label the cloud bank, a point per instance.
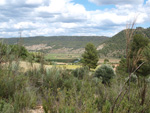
(65, 17)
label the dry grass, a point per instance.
(69, 66)
(111, 60)
(26, 65)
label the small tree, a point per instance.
(90, 56)
(144, 70)
(136, 55)
(106, 72)
(19, 51)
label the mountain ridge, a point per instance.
(107, 46)
(56, 42)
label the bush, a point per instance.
(53, 78)
(3, 52)
(26, 98)
(9, 84)
(122, 68)
(81, 72)
(133, 78)
(6, 107)
(106, 61)
(19, 51)
(106, 72)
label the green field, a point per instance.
(65, 58)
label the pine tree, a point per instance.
(90, 56)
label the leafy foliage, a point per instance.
(139, 42)
(19, 51)
(122, 68)
(106, 72)
(145, 69)
(139, 50)
(81, 72)
(14, 50)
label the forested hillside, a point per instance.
(59, 41)
(115, 46)
(109, 47)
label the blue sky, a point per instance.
(92, 6)
(71, 17)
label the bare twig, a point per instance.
(122, 98)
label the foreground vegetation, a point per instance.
(81, 90)
(61, 90)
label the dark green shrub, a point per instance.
(90, 56)
(35, 77)
(19, 51)
(10, 83)
(68, 83)
(122, 68)
(106, 72)
(81, 72)
(106, 60)
(36, 57)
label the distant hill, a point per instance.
(108, 47)
(115, 46)
(57, 42)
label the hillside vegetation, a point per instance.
(108, 47)
(115, 46)
(56, 42)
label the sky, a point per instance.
(71, 17)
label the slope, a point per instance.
(115, 46)
(56, 42)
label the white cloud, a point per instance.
(64, 17)
(2, 2)
(148, 2)
(34, 1)
(23, 3)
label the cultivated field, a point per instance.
(111, 60)
(26, 65)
